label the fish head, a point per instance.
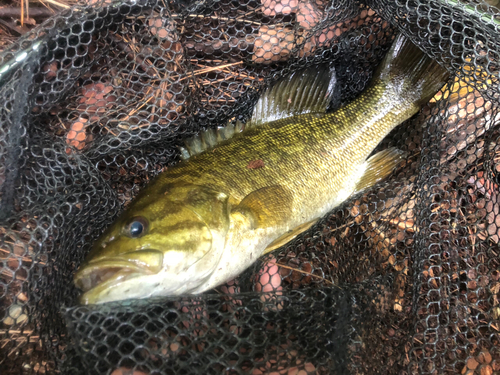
(167, 242)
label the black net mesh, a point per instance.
(404, 279)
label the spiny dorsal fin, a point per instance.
(209, 138)
(304, 91)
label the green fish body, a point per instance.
(204, 221)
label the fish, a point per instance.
(240, 194)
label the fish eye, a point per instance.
(137, 227)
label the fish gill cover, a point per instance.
(402, 279)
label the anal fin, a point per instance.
(379, 167)
(288, 236)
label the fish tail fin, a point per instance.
(413, 74)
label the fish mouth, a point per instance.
(103, 274)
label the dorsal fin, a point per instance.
(209, 138)
(304, 91)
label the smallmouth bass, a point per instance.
(238, 196)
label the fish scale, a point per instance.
(312, 161)
(207, 219)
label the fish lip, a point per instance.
(103, 273)
(94, 274)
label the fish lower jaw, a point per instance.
(135, 285)
(90, 280)
(100, 289)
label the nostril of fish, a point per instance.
(105, 243)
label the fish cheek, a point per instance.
(212, 207)
(183, 242)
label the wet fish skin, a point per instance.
(211, 216)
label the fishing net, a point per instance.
(403, 279)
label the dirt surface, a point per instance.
(17, 17)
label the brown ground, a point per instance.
(17, 17)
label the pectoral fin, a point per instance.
(267, 206)
(378, 167)
(288, 236)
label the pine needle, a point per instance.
(305, 273)
(56, 3)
